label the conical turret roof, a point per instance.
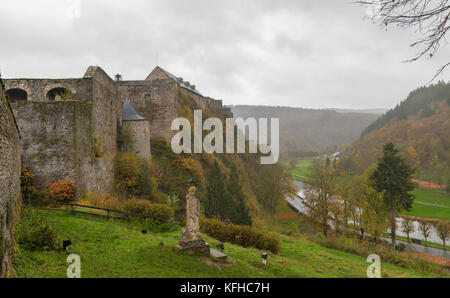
(129, 113)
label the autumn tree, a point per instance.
(414, 157)
(27, 187)
(407, 227)
(392, 178)
(63, 191)
(346, 205)
(371, 212)
(274, 185)
(425, 229)
(133, 177)
(428, 18)
(319, 194)
(443, 230)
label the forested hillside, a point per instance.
(417, 102)
(310, 130)
(235, 185)
(419, 126)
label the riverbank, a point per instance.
(299, 206)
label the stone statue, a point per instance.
(190, 237)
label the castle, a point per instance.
(69, 127)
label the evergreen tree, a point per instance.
(216, 201)
(239, 214)
(392, 177)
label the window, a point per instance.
(59, 94)
(16, 94)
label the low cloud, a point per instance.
(315, 54)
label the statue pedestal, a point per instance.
(191, 240)
(190, 237)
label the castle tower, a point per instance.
(139, 127)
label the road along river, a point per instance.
(297, 203)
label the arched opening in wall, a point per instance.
(148, 98)
(16, 94)
(59, 94)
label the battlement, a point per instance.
(69, 126)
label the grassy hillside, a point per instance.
(117, 249)
(306, 129)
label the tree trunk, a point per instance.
(325, 230)
(393, 229)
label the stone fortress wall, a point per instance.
(69, 126)
(10, 166)
(154, 100)
(74, 138)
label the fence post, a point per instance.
(107, 210)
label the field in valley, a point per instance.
(430, 204)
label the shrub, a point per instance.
(158, 212)
(35, 232)
(106, 201)
(133, 177)
(26, 184)
(63, 191)
(241, 235)
(125, 140)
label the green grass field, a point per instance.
(421, 207)
(303, 169)
(434, 197)
(111, 248)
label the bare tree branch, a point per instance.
(429, 19)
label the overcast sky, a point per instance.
(314, 54)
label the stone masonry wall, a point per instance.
(9, 182)
(105, 118)
(141, 136)
(75, 139)
(57, 139)
(154, 100)
(37, 89)
(158, 101)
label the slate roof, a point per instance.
(129, 113)
(180, 81)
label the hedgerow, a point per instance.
(245, 236)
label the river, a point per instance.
(297, 203)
